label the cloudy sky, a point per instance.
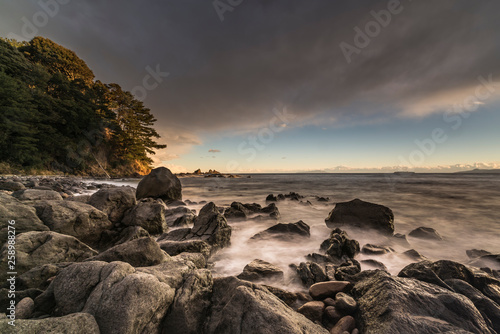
(291, 85)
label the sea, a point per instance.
(463, 208)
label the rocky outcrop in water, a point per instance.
(285, 232)
(238, 211)
(361, 214)
(425, 233)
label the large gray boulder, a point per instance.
(160, 183)
(76, 323)
(393, 305)
(122, 299)
(11, 185)
(37, 248)
(259, 270)
(24, 216)
(361, 214)
(80, 220)
(243, 307)
(149, 214)
(114, 201)
(191, 303)
(142, 252)
(37, 195)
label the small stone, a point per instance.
(345, 303)
(327, 289)
(25, 308)
(332, 314)
(329, 302)
(312, 310)
(346, 324)
(355, 331)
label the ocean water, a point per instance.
(463, 208)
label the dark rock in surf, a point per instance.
(425, 233)
(339, 244)
(361, 214)
(310, 273)
(238, 211)
(160, 183)
(414, 255)
(376, 250)
(374, 264)
(285, 232)
(476, 253)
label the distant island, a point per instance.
(480, 171)
(210, 173)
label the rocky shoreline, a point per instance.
(126, 260)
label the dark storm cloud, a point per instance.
(230, 75)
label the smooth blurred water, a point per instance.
(463, 208)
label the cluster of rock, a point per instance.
(126, 261)
(210, 173)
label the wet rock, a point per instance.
(271, 198)
(310, 273)
(238, 211)
(114, 202)
(425, 233)
(322, 290)
(143, 252)
(339, 244)
(374, 264)
(77, 323)
(476, 253)
(179, 217)
(388, 304)
(37, 248)
(285, 232)
(376, 250)
(259, 270)
(149, 214)
(414, 255)
(24, 216)
(160, 183)
(243, 307)
(345, 303)
(346, 324)
(491, 260)
(37, 195)
(80, 220)
(313, 311)
(360, 214)
(347, 269)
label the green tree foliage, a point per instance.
(54, 116)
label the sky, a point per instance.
(294, 86)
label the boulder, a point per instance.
(149, 214)
(347, 269)
(243, 307)
(331, 316)
(77, 323)
(191, 303)
(322, 290)
(345, 303)
(285, 232)
(122, 299)
(388, 304)
(259, 270)
(160, 183)
(425, 233)
(79, 220)
(414, 255)
(191, 246)
(345, 324)
(374, 264)
(238, 211)
(39, 277)
(114, 201)
(211, 227)
(371, 249)
(24, 216)
(179, 217)
(142, 252)
(361, 214)
(25, 308)
(339, 244)
(310, 273)
(313, 311)
(37, 248)
(37, 195)
(11, 186)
